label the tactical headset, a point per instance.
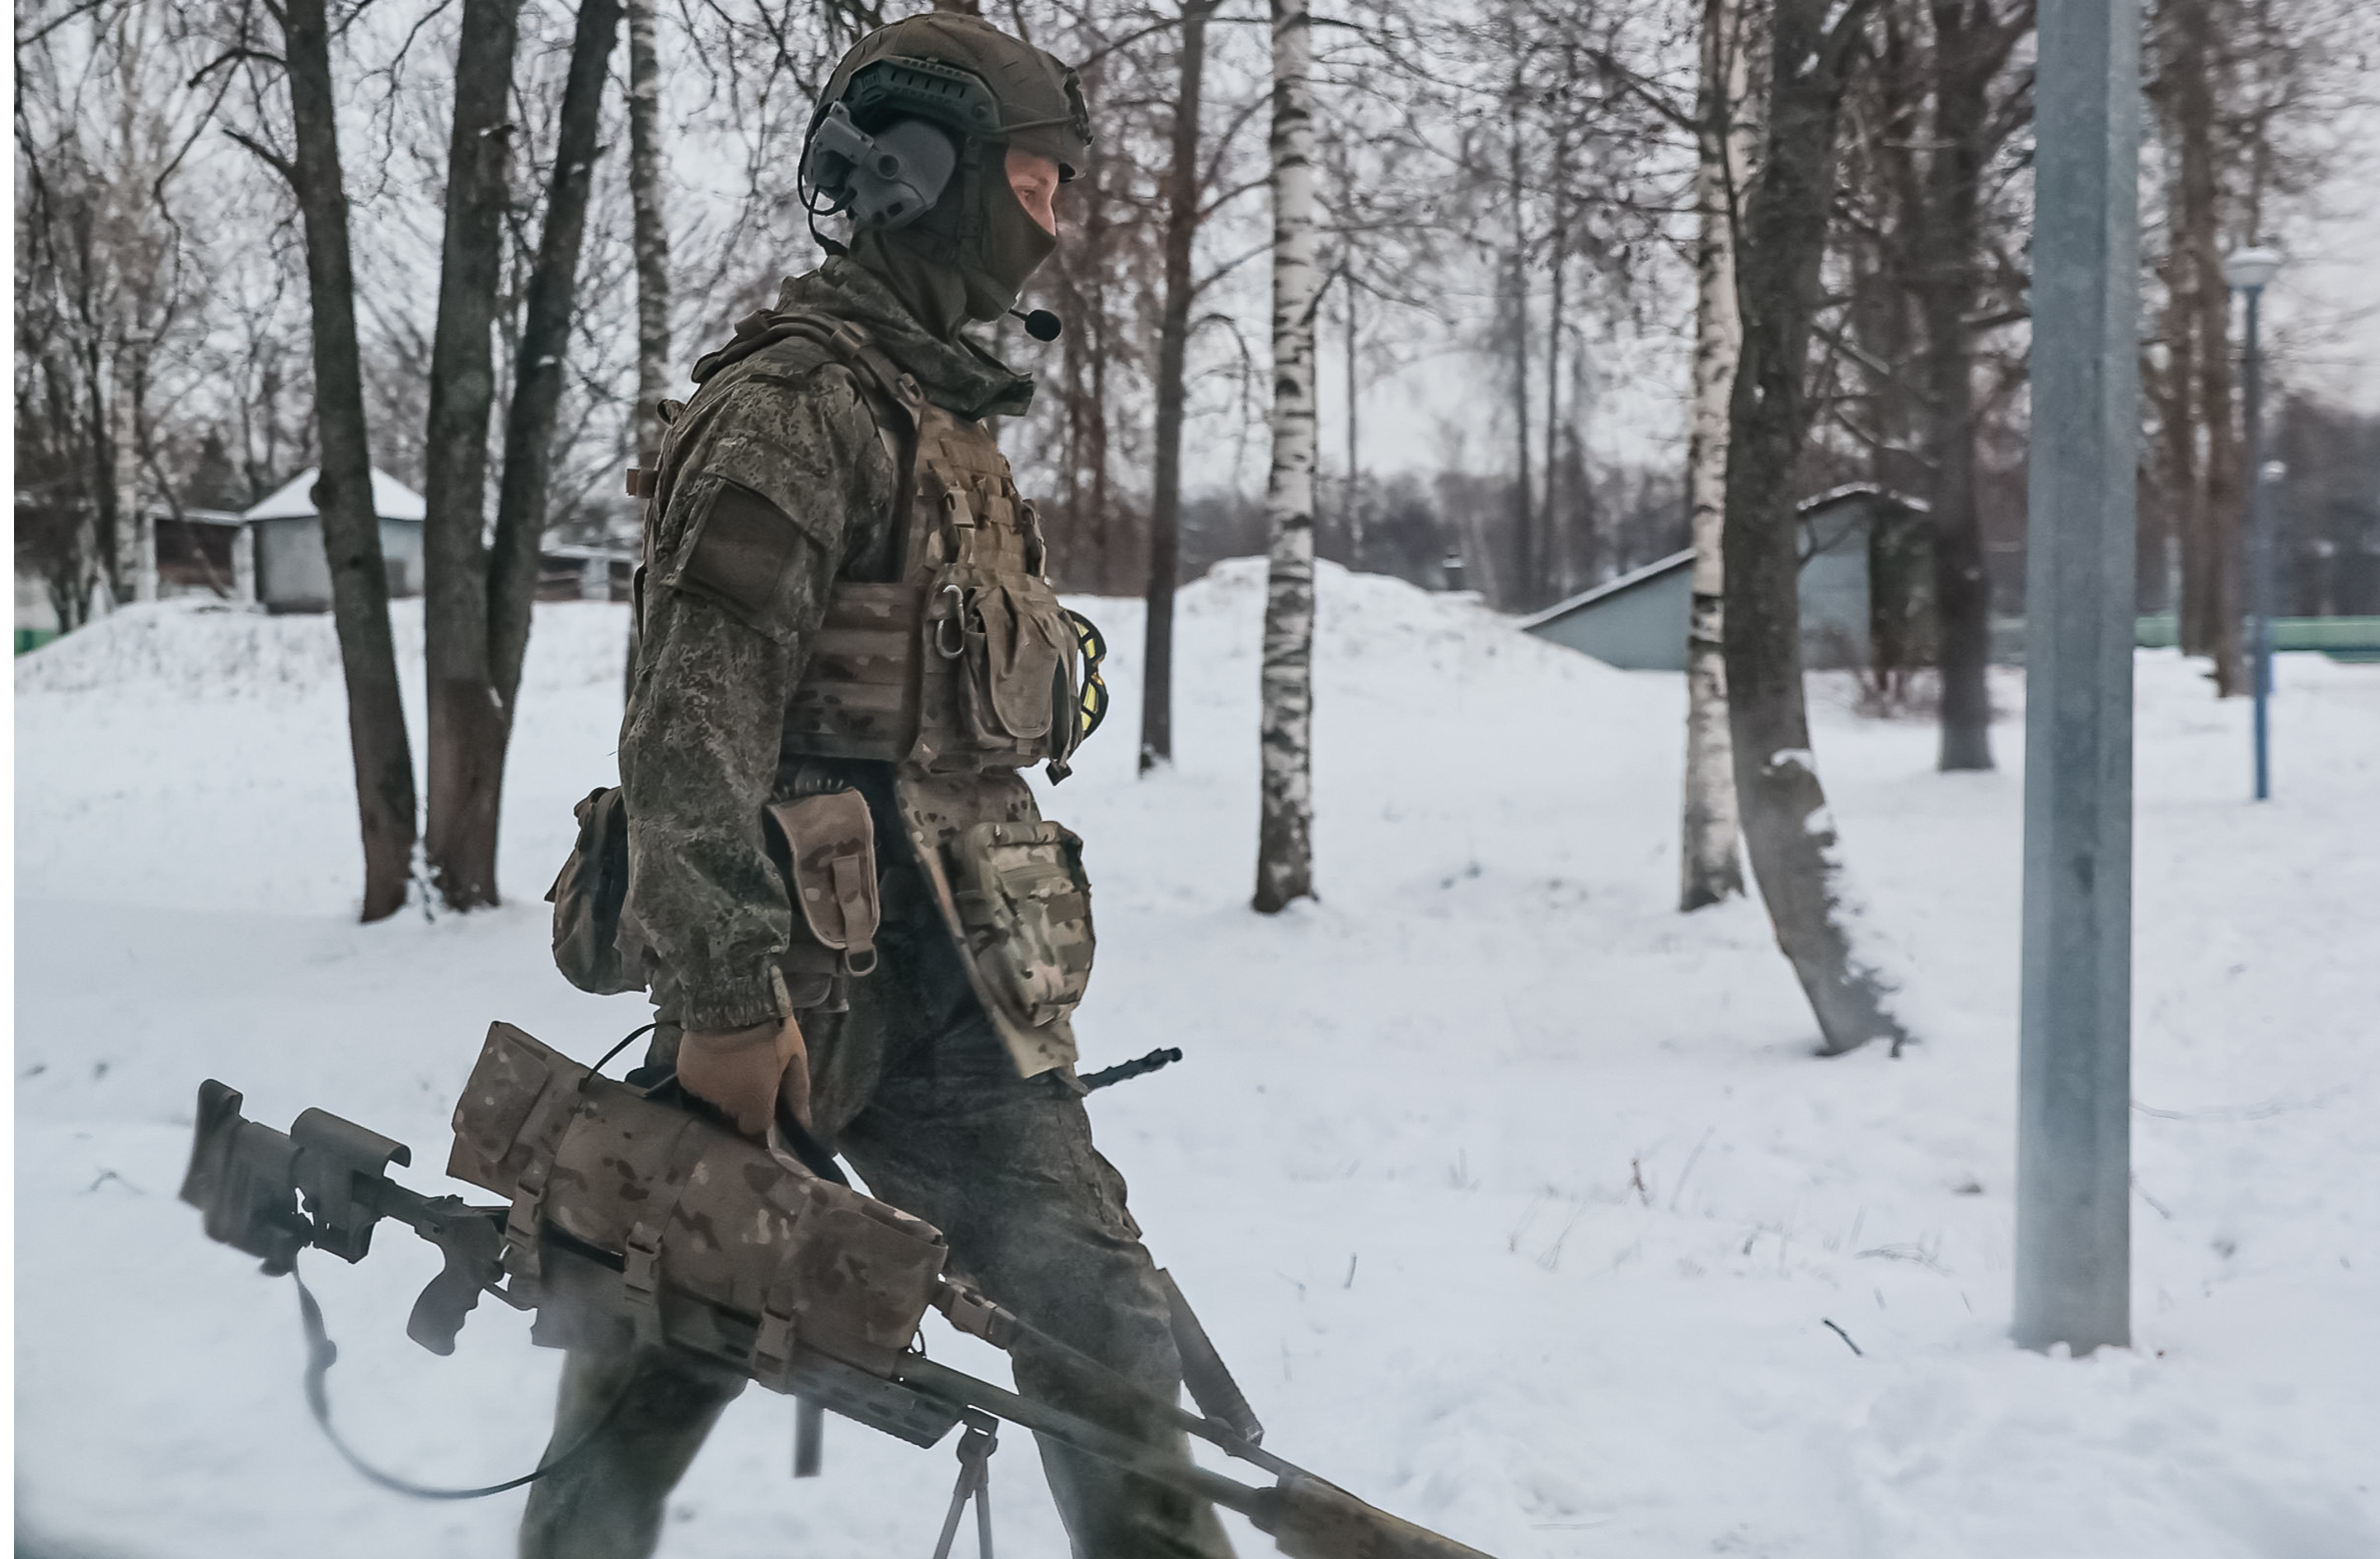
(891, 133)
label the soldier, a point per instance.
(841, 597)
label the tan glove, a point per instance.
(745, 1072)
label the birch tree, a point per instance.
(651, 226)
(1284, 836)
(1710, 868)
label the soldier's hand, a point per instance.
(744, 1072)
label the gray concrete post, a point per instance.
(2073, 1228)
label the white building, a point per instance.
(293, 572)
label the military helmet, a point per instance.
(910, 141)
(964, 74)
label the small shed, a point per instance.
(204, 551)
(293, 572)
(572, 571)
(1637, 622)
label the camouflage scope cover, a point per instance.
(634, 1221)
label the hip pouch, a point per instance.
(588, 897)
(828, 844)
(1024, 908)
(823, 845)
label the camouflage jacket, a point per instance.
(699, 748)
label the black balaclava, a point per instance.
(968, 256)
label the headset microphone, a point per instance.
(1040, 325)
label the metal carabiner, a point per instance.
(953, 643)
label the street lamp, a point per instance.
(2248, 270)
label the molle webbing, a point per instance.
(966, 662)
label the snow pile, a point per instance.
(196, 647)
(196, 756)
(1516, 1200)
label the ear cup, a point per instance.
(904, 175)
(886, 180)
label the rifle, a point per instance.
(591, 1254)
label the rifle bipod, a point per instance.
(975, 1482)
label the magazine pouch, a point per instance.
(830, 865)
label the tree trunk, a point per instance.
(2175, 393)
(1529, 561)
(466, 725)
(650, 227)
(650, 230)
(136, 533)
(1886, 325)
(383, 757)
(1553, 565)
(1966, 56)
(1182, 192)
(1710, 868)
(2221, 527)
(2210, 562)
(1285, 832)
(1795, 853)
(537, 384)
(1355, 445)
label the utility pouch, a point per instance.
(1024, 908)
(588, 897)
(829, 863)
(1015, 649)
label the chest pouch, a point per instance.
(1025, 909)
(1014, 674)
(830, 865)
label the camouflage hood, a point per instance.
(955, 373)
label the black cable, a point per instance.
(633, 1036)
(321, 1353)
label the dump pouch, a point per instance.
(1012, 891)
(588, 897)
(1027, 909)
(830, 866)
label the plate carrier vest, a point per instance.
(967, 662)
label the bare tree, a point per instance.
(466, 744)
(110, 287)
(1972, 41)
(383, 755)
(1184, 195)
(1791, 837)
(479, 609)
(1284, 837)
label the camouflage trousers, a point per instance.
(915, 1089)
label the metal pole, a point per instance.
(2073, 1231)
(2259, 531)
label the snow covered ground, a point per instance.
(1518, 1201)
